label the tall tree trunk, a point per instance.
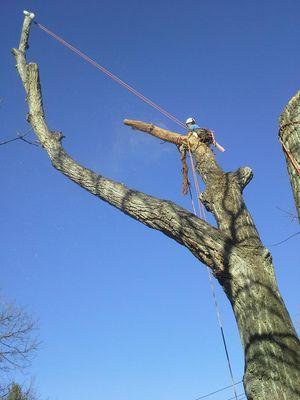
(289, 136)
(271, 346)
(233, 251)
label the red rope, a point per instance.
(289, 155)
(286, 150)
(111, 75)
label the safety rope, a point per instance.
(286, 150)
(178, 122)
(111, 75)
(289, 155)
(212, 286)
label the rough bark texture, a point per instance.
(289, 136)
(233, 251)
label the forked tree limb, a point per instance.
(207, 243)
(20, 136)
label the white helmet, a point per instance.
(190, 120)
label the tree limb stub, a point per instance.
(160, 133)
(20, 53)
(207, 243)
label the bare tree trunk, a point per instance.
(271, 345)
(234, 251)
(289, 136)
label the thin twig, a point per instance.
(292, 216)
(20, 137)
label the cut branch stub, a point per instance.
(160, 133)
(243, 176)
(20, 53)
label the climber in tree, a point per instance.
(203, 134)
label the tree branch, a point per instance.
(160, 133)
(17, 344)
(20, 136)
(204, 241)
(223, 193)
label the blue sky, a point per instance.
(124, 312)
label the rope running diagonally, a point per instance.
(178, 122)
(111, 75)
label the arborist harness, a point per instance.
(204, 135)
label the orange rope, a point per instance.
(286, 150)
(111, 75)
(289, 155)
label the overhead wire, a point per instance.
(216, 391)
(240, 396)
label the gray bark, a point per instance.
(233, 251)
(289, 136)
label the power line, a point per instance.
(241, 396)
(216, 391)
